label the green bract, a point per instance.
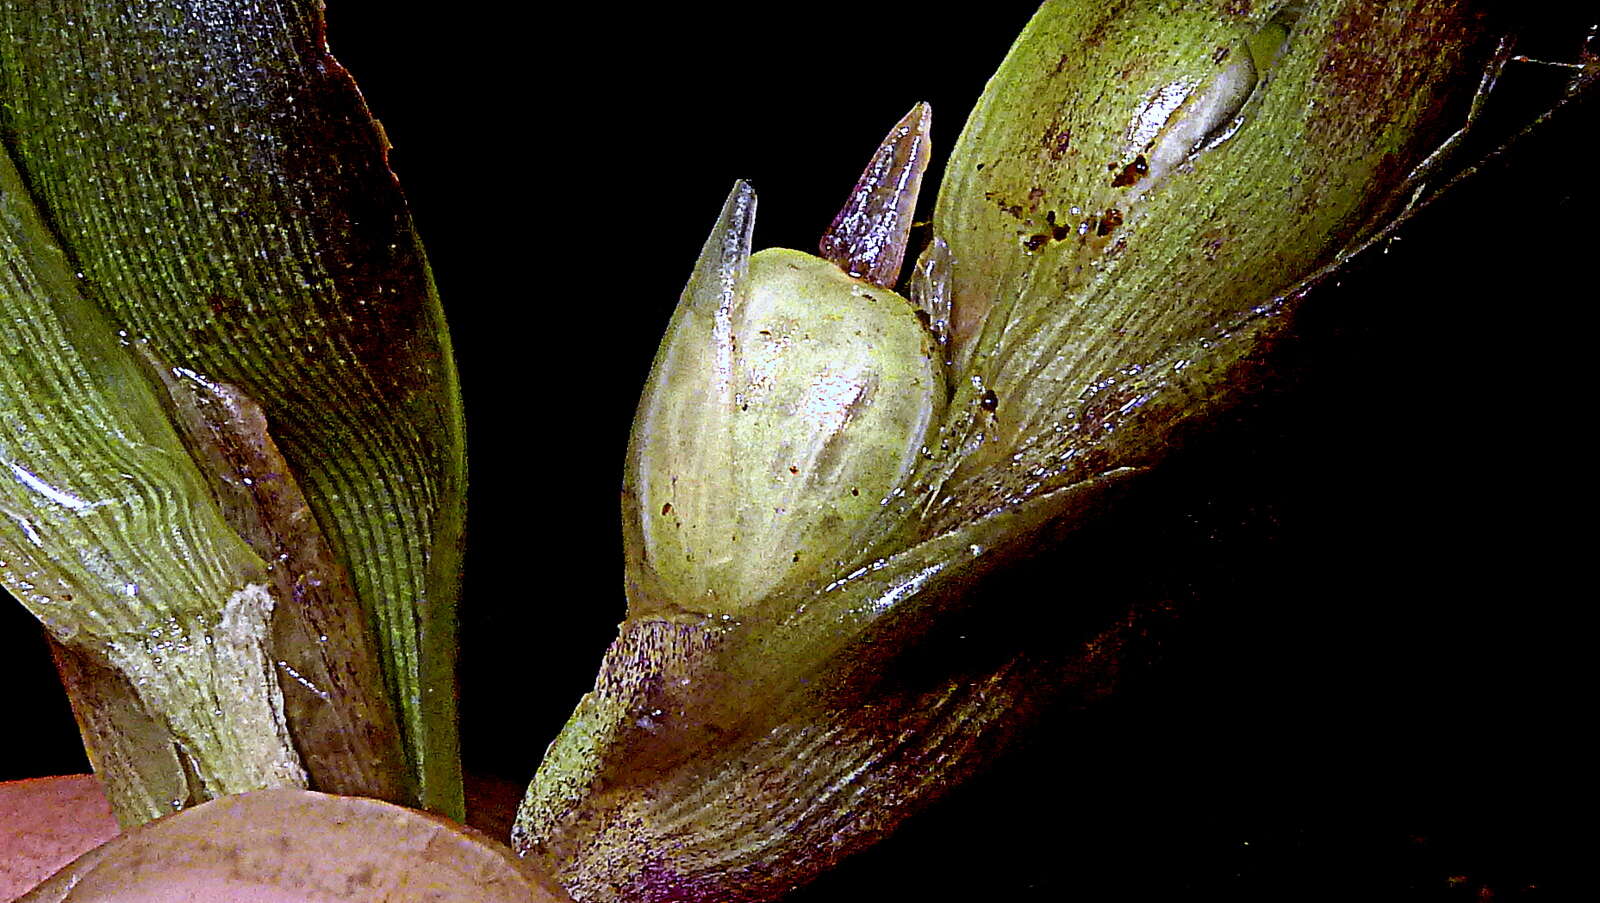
(1133, 206)
(1124, 237)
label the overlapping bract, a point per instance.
(1128, 213)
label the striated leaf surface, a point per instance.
(1126, 236)
(216, 177)
(110, 538)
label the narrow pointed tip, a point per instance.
(737, 220)
(922, 114)
(868, 237)
(741, 198)
(726, 254)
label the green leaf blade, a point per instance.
(217, 178)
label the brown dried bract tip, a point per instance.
(868, 237)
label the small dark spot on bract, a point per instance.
(667, 508)
(1109, 222)
(855, 492)
(1131, 173)
(797, 556)
(1035, 242)
(793, 469)
(980, 166)
(924, 319)
(990, 401)
(1063, 140)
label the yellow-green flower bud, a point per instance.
(772, 430)
(791, 397)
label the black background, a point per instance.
(1370, 690)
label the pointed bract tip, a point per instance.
(726, 253)
(868, 237)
